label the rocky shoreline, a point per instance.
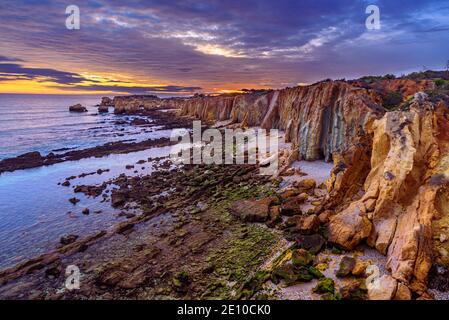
(203, 232)
(374, 230)
(162, 119)
(205, 244)
(192, 228)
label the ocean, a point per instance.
(43, 123)
(34, 208)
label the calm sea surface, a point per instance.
(43, 123)
(34, 209)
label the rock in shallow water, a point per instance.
(74, 200)
(103, 109)
(68, 239)
(77, 108)
(118, 198)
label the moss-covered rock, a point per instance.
(316, 273)
(302, 258)
(347, 264)
(303, 274)
(331, 296)
(253, 284)
(325, 285)
(252, 210)
(285, 272)
(181, 281)
(353, 290)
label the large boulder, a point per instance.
(304, 224)
(252, 210)
(306, 185)
(312, 243)
(348, 228)
(292, 206)
(382, 288)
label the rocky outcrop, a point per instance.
(140, 103)
(77, 108)
(252, 210)
(134, 103)
(390, 178)
(319, 120)
(103, 109)
(405, 189)
(107, 102)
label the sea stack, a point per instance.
(77, 108)
(106, 102)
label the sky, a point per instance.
(181, 47)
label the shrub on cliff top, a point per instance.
(392, 100)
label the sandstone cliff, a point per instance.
(129, 104)
(404, 191)
(319, 120)
(389, 183)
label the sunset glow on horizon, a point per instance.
(178, 48)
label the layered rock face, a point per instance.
(128, 104)
(389, 181)
(391, 169)
(135, 103)
(405, 189)
(319, 120)
(390, 176)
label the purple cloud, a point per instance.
(214, 44)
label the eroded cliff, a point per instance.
(404, 191)
(138, 103)
(389, 184)
(319, 120)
